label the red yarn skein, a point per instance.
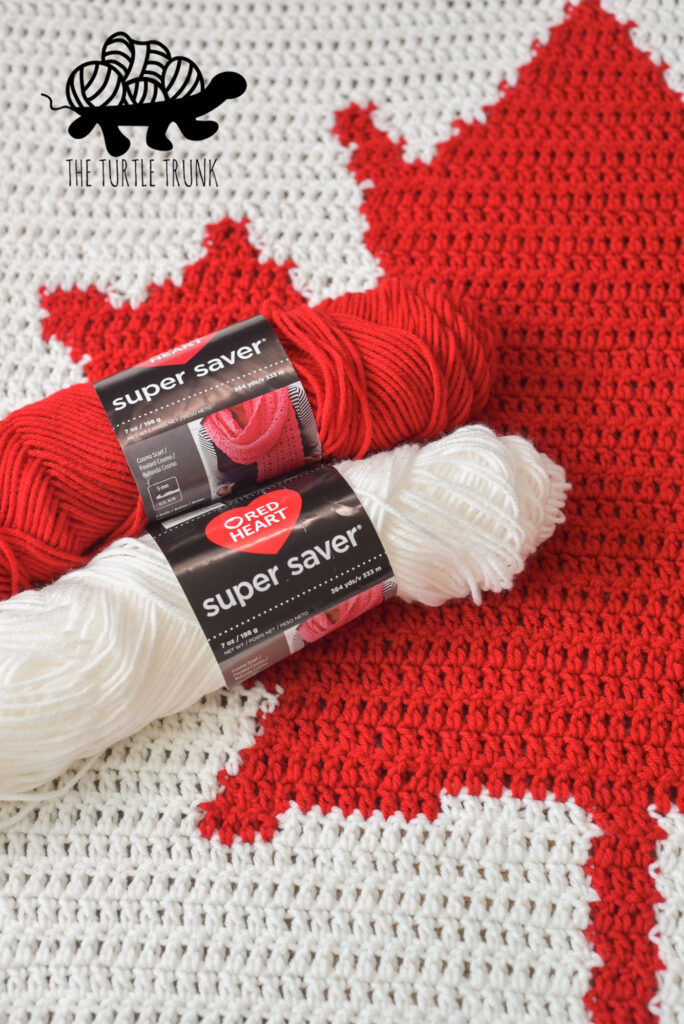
(380, 367)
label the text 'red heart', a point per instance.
(261, 528)
(178, 356)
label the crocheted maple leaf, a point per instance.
(226, 285)
(562, 214)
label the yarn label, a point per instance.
(212, 416)
(272, 571)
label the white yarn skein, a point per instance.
(97, 655)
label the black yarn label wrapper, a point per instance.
(184, 448)
(278, 568)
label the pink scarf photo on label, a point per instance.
(320, 625)
(263, 430)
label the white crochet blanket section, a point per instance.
(422, 64)
(112, 906)
(668, 933)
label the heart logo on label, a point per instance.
(260, 528)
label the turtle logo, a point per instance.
(139, 82)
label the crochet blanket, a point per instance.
(460, 814)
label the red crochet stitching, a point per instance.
(562, 213)
(392, 364)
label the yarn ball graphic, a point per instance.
(144, 90)
(181, 78)
(133, 72)
(134, 58)
(95, 84)
(119, 51)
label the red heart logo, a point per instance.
(180, 355)
(262, 527)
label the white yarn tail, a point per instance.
(459, 516)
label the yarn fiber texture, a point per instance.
(110, 647)
(391, 364)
